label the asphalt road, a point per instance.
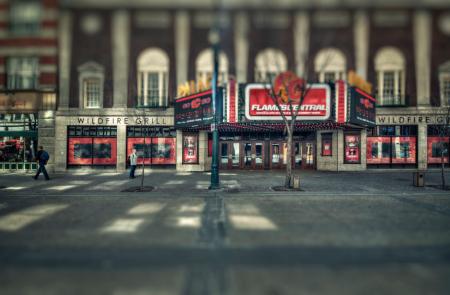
(197, 242)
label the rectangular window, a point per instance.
(92, 93)
(327, 143)
(25, 17)
(389, 88)
(438, 149)
(445, 88)
(153, 89)
(22, 73)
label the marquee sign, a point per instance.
(197, 109)
(259, 105)
(362, 108)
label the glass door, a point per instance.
(248, 161)
(224, 159)
(259, 155)
(308, 155)
(235, 157)
(275, 155)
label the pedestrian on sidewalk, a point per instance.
(42, 158)
(133, 160)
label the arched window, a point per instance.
(268, 64)
(444, 83)
(91, 77)
(153, 72)
(204, 67)
(330, 65)
(390, 68)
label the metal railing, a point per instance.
(392, 100)
(143, 102)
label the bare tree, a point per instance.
(291, 90)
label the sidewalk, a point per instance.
(171, 183)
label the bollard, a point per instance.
(295, 181)
(419, 178)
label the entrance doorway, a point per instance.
(230, 155)
(253, 155)
(303, 155)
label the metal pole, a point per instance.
(215, 182)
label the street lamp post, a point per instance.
(214, 40)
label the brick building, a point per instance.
(120, 65)
(28, 79)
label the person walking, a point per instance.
(133, 160)
(42, 158)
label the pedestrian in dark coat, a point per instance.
(42, 158)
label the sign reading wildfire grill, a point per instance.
(259, 105)
(196, 109)
(362, 108)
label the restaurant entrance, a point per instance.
(303, 155)
(255, 154)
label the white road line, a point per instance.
(123, 225)
(146, 208)
(18, 220)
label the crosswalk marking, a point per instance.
(108, 185)
(249, 217)
(18, 220)
(15, 188)
(60, 187)
(130, 223)
(124, 225)
(146, 208)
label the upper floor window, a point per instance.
(22, 73)
(268, 64)
(390, 68)
(25, 17)
(204, 67)
(91, 79)
(444, 82)
(153, 71)
(330, 65)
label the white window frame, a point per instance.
(444, 75)
(330, 60)
(390, 59)
(87, 71)
(150, 61)
(269, 62)
(19, 72)
(204, 67)
(19, 5)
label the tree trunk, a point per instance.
(287, 182)
(442, 165)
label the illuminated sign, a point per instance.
(260, 105)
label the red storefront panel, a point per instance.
(80, 151)
(158, 150)
(104, 151)
(138, 144)
(404, 149)
(163, 150)
(434, 149)
(378, 150)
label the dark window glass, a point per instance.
(102, 150)
(83, 151)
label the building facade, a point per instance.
(120, 65)
(28, 80)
